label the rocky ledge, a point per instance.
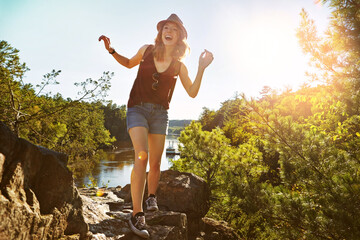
(182, 200)
(38, 200)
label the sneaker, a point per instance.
(137, 225)
(151, 203)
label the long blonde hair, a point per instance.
(180, 51)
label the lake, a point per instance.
(116, 169)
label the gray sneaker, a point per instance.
(151, 204)
(137, 225)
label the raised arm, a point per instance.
(192, 88)
(126, 62)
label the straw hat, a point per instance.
(175, 19)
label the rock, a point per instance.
(179, 192)
(38, 199)
(183, 192)
(108, 224)
(164, 232)
(94, 211)
(106, 196)
(217, 230)
(167, 218)
(105, 224)
(2, 161)
(125, 193)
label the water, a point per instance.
(116, 169)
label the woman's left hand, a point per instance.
(205, 59)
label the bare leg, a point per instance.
(156, 148)
(139, 136)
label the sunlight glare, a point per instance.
(100, 192)
(142, 155)
(266, 50)
(318, 3)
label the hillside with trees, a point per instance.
(79, 127)
(176, 126)
(286, 165)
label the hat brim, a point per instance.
(161, 24)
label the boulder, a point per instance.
(38, 198)
(178, 192)
(183, 192)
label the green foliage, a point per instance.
(74, 127)
(94, 183)
(294, 177)
(175, 130)
(179, 123)
(224, 167)
(115, 121)
(286, 166)
(204, 152)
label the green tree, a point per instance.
(335, 57)
(203, 152)
(21, 103)
(230, 172)
(75, 127)
(11, 74)
(115, 121)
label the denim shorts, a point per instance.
(154, 117)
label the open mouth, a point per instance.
(168, 38)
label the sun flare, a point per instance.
(265, 49)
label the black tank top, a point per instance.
(142, 91)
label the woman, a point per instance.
(147, 115)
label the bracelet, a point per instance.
(113, 51)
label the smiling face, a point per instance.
(170, 33)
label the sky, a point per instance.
(254, 43)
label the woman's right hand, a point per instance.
(106, 42)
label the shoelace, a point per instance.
(140, 222)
